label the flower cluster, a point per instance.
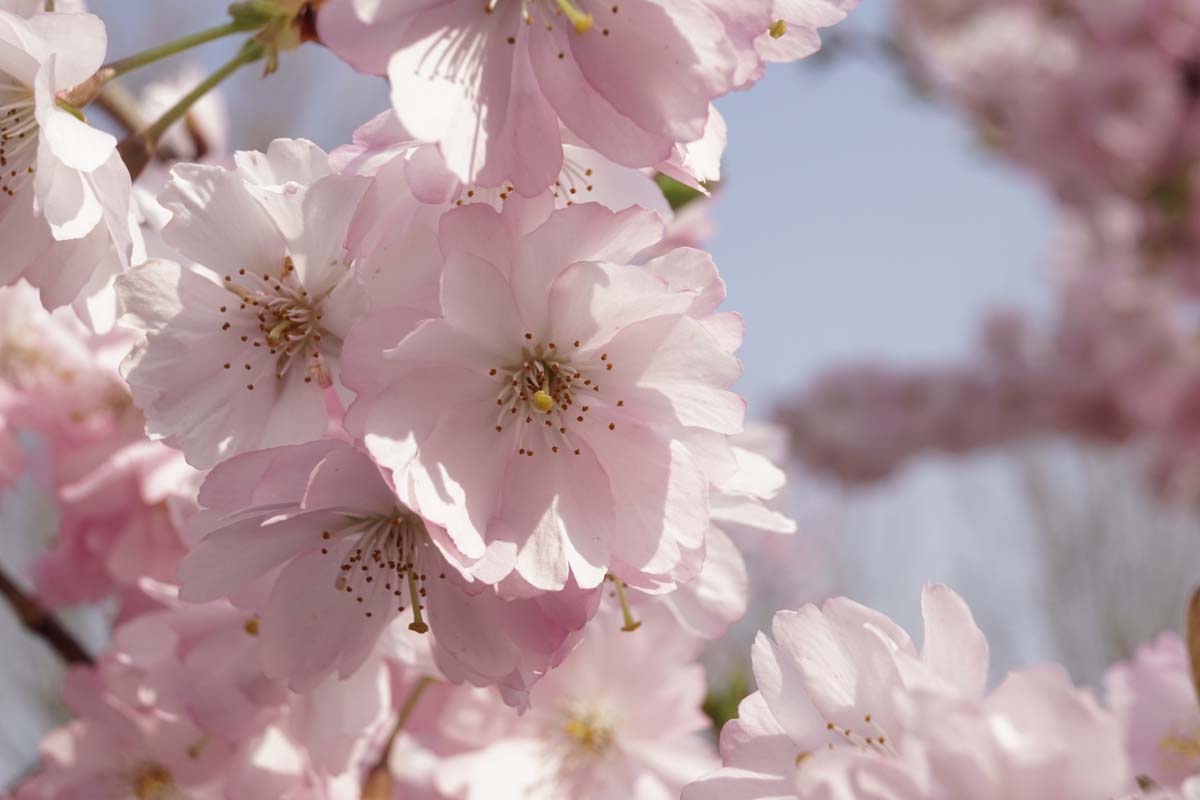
(448, 410)
(1099, 102)
(847, 707)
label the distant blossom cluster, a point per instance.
(1099, 100)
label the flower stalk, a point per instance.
(136, 151)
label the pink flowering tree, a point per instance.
(418, 468)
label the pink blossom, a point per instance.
(240, 347)
(119, 522)
(848, 708)
(1155, 699)
(558, 381)
(493, 85)
(717, 597)
(411, 185)
(64, 192)
(114, 751)
(329, 560)
(200, 662)
(620, 718)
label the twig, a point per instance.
(378, 785)
(42, 623)
(120, 104)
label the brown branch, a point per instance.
(42, 623)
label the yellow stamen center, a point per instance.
(152, 782)
(778, 29)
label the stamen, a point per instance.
(778, 29)
(418, 624)
(583, 22)
(631, 624)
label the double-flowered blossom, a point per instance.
(242, 343)
(312, 540)
(494, 84)
(1154, 696)
(64, 192)
(847, 707)
(620, 718)
(119, 748)
(564, 414)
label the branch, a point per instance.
(42, 623)
(378, 785)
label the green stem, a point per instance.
(137, 60)
(252, 52)
(136, 151)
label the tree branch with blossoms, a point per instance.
(437, 434)
(42, 624)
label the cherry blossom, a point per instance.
(240, 347)
(557, 381)
(329, 560)
(115, 751)
(847, 707)
(603, 725)
(64, 192)
(1155, 699)
(630, 80)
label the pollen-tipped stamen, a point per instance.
(631, 624)
(582, 22)
(778, 29)
(418, 624)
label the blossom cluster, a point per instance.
(446, 410)
(415, 468)
(847, 707)
(1098, 101)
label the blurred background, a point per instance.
(858, 221)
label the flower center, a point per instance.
(389, 554)
(1181, 750)
(548, 395)
(278, 315)
(152, 782)
(18, 136)
(574, 184)
(589, 733)
(875, 740)
(579, 19)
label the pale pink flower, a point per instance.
(115, 751)
(847, 708)
(566, 411)
(64, 192)
(200, 662)
(1155, 699)
(62, 378)
(620, 719)
(240, 347)
(493, 84)
(411, 185)
(717, 597)
(329, 560)
(119, 522)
